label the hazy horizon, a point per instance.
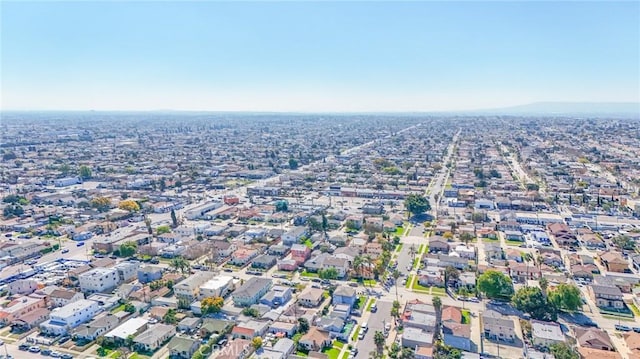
(316, 57)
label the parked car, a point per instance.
(636, 329)
(66, 356)
(374, 308)
(23, 346)
(45, 351)
(79, 244)
(66, 250)
(622, 328)
(34, 349)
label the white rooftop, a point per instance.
(130, 327)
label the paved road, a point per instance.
(376, 322)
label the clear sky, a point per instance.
(316, 56)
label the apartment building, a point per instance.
(99, 280)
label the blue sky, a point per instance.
(316, 56)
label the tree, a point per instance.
(416, 204)
(303, 325)
(102, 204)
(13, 210)
(395, 309)
(437, 305)
(282, 206)
(407, 353)
(533, 301)
(466, 237)
(129, 205)
(174, 219)
(566, 297)
(128, 249)
(129, 308)
(624, 243)
(85, 172)
(395, 274)
(211, 305)
(495, 284)
(358, 263)
(180, 263)
(170, 316)
(256, 342)
(450, 274)
(293, 163)
(251, 312)
(378, 340)
(563, 351)
(329, 273)
(544, 284)
(147, 222)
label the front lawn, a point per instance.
(417, 286)
(409, 280)
(309, 274)
(117, 309)
(400, 231)
(514, 243)
(356, 331)
(634, 309)
(332, 353)
(361, 301)
(416, 262)
(438, 291)
(338, 344)
(399, 247)
(490, 240)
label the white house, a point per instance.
(61, 320)
(216, 287)
(466, 252)
(98, 280)
(190, 287)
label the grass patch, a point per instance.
(466, 317)
(420, 248)
(332, 353)
(634, 309)
(438, 291)
(296, 337)
(117, 309)
(490, 240)
(514, 243)
(300, 353)
(409, 280)
(308, 274)
(617, 317)
(399, 247)
(400, 231)
(354, 337)
(361, 302)
(368, 309)
(338, 344)
(416, 262)
(417, 286)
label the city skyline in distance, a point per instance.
(319, 56)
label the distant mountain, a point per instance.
(626, 109)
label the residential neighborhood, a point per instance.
(323, 237)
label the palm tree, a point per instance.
(358, 262)
(368, 261)
(544, 284)
(527, 257)
(437, 304)
(378, 340)
(396, 274)
(466, 238)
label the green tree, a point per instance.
(128, 249)
(395, 309)
(256, 342)
(495, 284)
(170, 316)
(624, 242)
(544, 284)
(179, 263)
(293, 163)
(85, 172)
(563, 351)
(129, 308)
(174, 219)
(282, 206)
(416, 204)
(303, 325)
(395, 274)
(378, 340)
(533, 301)
(251, 312)
(466, 237)
(566, 297)
(329, 273)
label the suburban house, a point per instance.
(236, 349)
(546, 333)
(250, 329)
(251, 291)
(438, 244)
(294, 236)
(97, 327)
(182, 347)
(264, 261)
(63, 319)
(614, 262)
(522, 272)
(315, 339)
(149, 274)
(19, 307)
(131, 327)
(277, 296)
(593, 338)
(607, 296)
(457, 335)
(300, 253)
(563, 235)
(415, 337)
(154, 337)
(498, 327)
(311, 297)
(344, 295)
(286, 328)
(242, 256)
(189, 288)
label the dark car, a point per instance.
(636, 329)
(66, 356)
(45, 351)
(79, 244)
(622, 328)
(24, 346)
